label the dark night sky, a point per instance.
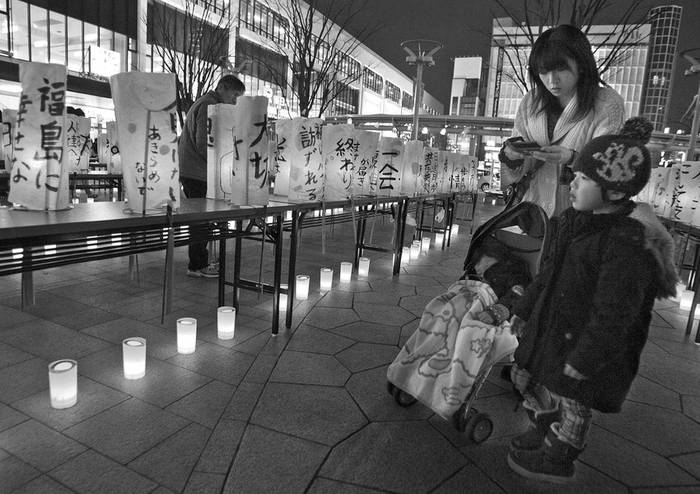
(464, 27)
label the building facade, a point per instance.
(663, 47)
(98, 38)
(466, 85)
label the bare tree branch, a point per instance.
(191, 43)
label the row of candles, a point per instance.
(63, 374)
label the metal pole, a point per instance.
(694, 128)
(418, 97)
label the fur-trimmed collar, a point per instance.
(660, 243)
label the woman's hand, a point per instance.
(512, 154)
(554, 155)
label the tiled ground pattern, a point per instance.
(306, 411)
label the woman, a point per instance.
(568, 106)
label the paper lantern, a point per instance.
(405, 254)
(425, 244)
(134, 355)
(63, 383)
(326, 279)
(345, 272)
(186, 335)
(363, 267)
(439, 240)
(302, 287)
(225, 322)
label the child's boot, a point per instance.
(540, 420)
(552, 463)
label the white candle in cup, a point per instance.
(345, 272)
(686, 299)
(425, 244)
(415, 251)
(134, 356)
(186, 335)
(283, 296)
(439, 240)
(225, 322)
(405, 254)
(363, 267)
(302, 287)
(326, 279)
(455, 230)
(63, 383)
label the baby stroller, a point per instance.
(432, 366)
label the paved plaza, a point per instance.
(305, 411)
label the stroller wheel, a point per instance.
(402, 398)
(390, 388)
(479, 428)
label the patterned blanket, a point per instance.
(440, 361)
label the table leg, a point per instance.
(291, 278)
(222, 266)
(277, 275)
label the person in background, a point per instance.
(192, 151)
(584, 319)
(567, 107)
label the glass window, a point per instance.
(90, 35)
(106, 39)
(75, 45)
(121, 46)
(39, 34)
(20, 34)
(57, 35)
(4, 27)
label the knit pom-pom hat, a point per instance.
(619, 162)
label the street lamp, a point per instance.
(420, 53)
(693, 69)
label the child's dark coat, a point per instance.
(590, 306)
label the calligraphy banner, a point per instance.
(283, 138)
(686, 192)
(249, 177)
(306, 160)
(429, 174)
(77, 151)
(340, 150)
(220, 150)
(39, 179)
(144, 105)
(9, 123)
(464, 173)
(389, 165)
(365, 161)
(413, 162)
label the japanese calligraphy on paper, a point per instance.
(222, 146)
(305, 160)
(144, 105)
(38, 179)
(77, 151)
(389, 166)
(249, 183)
(340, 151)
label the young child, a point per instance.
(584, 320)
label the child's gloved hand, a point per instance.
(486, 317)
(517, 326)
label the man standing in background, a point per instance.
(192, 150)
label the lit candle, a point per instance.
(686, 299)
(186, 334)
(302, 288)
(415, 251)
(455, 229)
(134, 355)
(63, 383)
(345, 272)
(326, 279)
(439, 240)
(225, 322)
(363, 267)
(425, 244)
(283, 296)
(405, 254)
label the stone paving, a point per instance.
(305, 411)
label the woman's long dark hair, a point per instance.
(550, 52)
